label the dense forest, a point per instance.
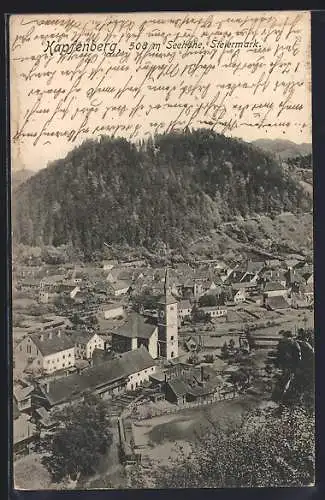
(168, 189)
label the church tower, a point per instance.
(167, 323)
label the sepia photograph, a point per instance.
(162, 250)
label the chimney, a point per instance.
(202, 373)
(59, 333)
(47, 387)
(50, 335)
(42, 337)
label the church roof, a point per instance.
(168, 297)
(136, 326)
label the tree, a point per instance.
(207, 300)
(82, 437)
(231, 344)
(224, 351)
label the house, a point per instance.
(107, 265)
(214, 311)
(307, 292)
(43, 297)
(239, 295)
(278, 275)
(48, 351)
(192, 288)
(176, 391)
(24, 435)
(44, 421)
(195, 385)
(254, 267)
(136, 331)
(28, 284)
(184, 309)
(274, 289)
(135, 263)
(23, 397)
(119, 287)
(86, 343)
(276, 303)
(309, 277)
(51, 283)
(123, 373)
(112, 310)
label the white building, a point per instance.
(167, 323)
(48, 351)
(86, 343)
(214, 311)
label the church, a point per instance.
(167, 323)
(160, 338)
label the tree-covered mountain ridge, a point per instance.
(168, 189)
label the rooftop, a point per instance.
(136, 326)
(52, 342)
(273, 286)
(277, 303)
(69, 387)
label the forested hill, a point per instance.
(172, 189)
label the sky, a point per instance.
(272, 81)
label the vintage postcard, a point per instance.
(162, 250)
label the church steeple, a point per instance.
(166, 285)
(167, 322)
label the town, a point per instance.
(152, 340)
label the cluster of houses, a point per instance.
(57, 362)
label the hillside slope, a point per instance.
(168, 191)
(282, 148)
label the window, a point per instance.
(172, 354)
(63, 365)
(69, 354)
(172, 337)
(171, 308)
(63, 356)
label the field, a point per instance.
(30, 474)
(159, 438)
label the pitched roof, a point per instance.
(178, 386)
(277, 303)
(23, 429)
(273, 286)
(82, 337)
(67, 388)
(15, 410)
(60, 341)
(184, 304)
(23, 393)
(120, 284)
(136, 326)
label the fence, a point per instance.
(157, 412)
